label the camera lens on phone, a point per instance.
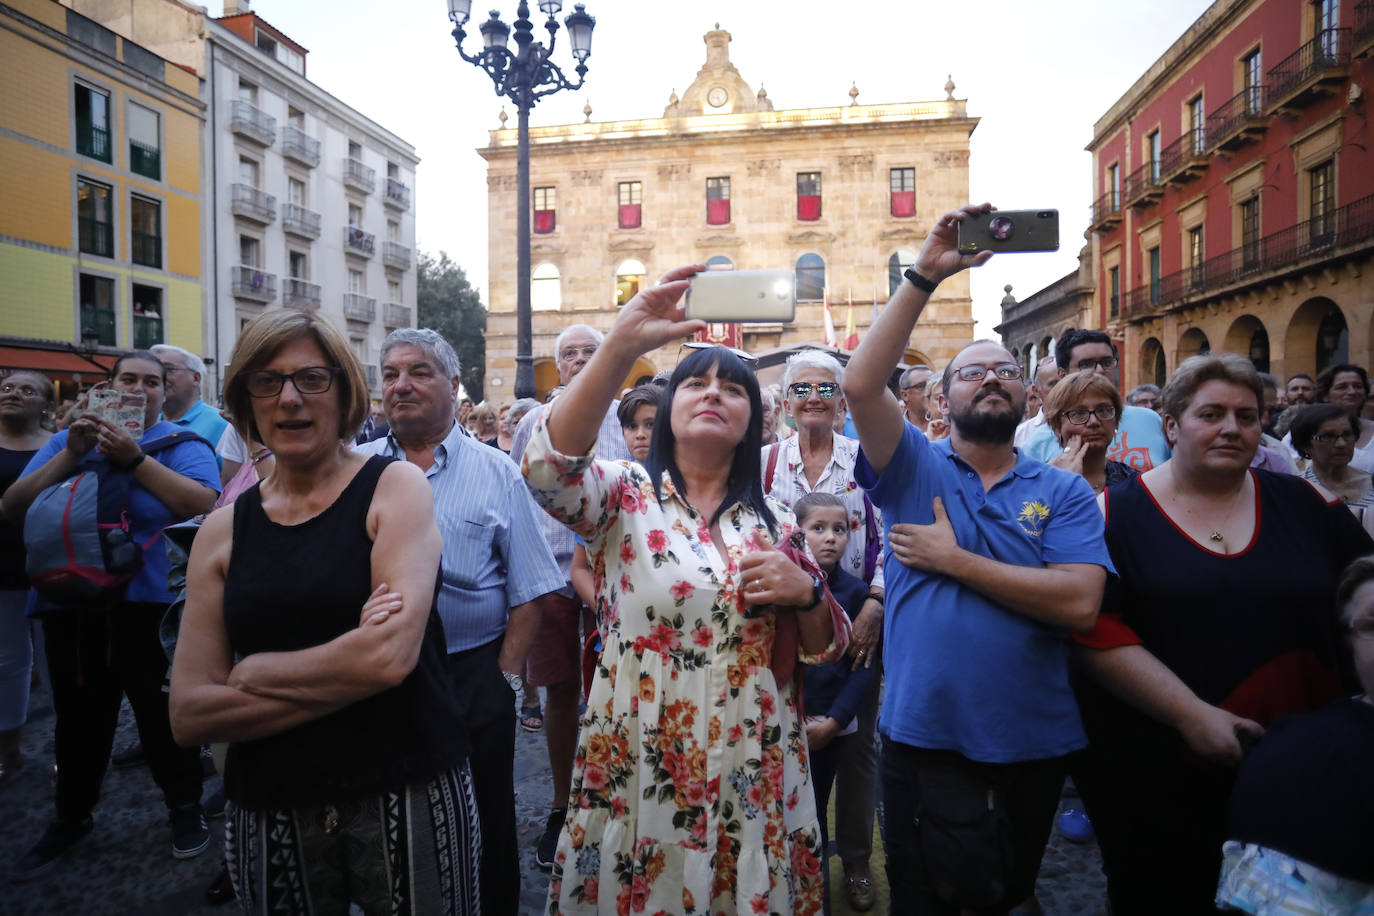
(1001, 228)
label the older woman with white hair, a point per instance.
(818, 459)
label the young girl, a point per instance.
(831, 693)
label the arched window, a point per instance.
(545, 293)
(896, 266)
(810, 278)
(720, 262)
(629, 277)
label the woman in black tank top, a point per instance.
(310, 642)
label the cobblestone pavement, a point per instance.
(125, 866)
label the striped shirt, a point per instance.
(487, 519)
(610, 446)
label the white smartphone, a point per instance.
(743, 295)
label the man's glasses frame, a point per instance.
(264, 383)
(1325, 438)
(573, 352)
(1104, 362)
(976, 372)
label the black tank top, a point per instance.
(292, 587)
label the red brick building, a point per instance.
(1234, 191)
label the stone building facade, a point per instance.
(1031, 326)
(843, 195)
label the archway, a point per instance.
(1192, 343)
(1153, 370)
(1316, 334)
(1248, 337)
(1046, 348)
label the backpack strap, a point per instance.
(171, 439)
(773, 451)
(873, 542)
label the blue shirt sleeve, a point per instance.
(1041, 444)
(195, 460)
(912, 452)
(45, 454)
(1076, 532)
(536, 572)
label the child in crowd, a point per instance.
(831, 693)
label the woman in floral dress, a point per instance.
(690, 791)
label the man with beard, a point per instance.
(1000, 557)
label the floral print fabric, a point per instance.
(691, 790)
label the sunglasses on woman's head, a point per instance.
(748, 358)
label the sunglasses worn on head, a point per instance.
(748, 358)
(802, 390)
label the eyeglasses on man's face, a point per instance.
(976, 372)
(1326, 438)
(568, 353)
(1079, 415)
(802, 390)
(1102, 362)
(28, 391)
(749, 358)
(264, 383)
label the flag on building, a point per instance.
(851, 330)
(829, 321)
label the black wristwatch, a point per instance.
(817, 592)
(919, 281)
(129, 468)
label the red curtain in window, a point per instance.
(629, 216)
(543, 221)
(808, 207)
(903, 203)
(717, 212)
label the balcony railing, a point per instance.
(1311, 239)
(397, 195)
(358, 242)
(1363, 37)
(359, 177)
(251, 122)
(396, 255)
(1143, 186)
(359, 307)
(1185, 158)
(1238, 120)
(1107, 212)
(92, 141)
(147, 249)
(1309, 71)
(251, 283)
(298, 145)
(396, 316)
(145, 160)
(300, 294)
(102, 321)
(299, 221)
(95, 237)
(147, 331)
(250, 203)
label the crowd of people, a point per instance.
(952, 588)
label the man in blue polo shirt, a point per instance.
(184, 407)
(999, 558)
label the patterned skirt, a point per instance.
(414, 852)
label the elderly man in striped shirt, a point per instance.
(489, 604)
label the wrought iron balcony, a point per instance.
(396, 316)
(250, 122)
(1185, 158)
(95, 237)
(359, 307)
(1363, 37)
(359, 177)
(300, 294)
(297, 220)
(145, 160)
(358, 242)
(298, 145)
(397, 195)
(396, 255)
(146, 248)
(250, 203)
(1238, 121)
(251, 283)
(1107, 212)
(92, 141)
(1143, 186)
(1337, 232)
(1310, 72)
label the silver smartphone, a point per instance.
(1010, 230)
(743, 295)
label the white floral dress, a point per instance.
(691, 790)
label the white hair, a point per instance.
(431, 343)
(766, 397)
(193, 362)
(811, 359)
(558, 342)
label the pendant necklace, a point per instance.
(1216, 532)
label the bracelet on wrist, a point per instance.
(877, 598)
(919, 280)
(129, 468)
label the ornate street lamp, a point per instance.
(524, 76)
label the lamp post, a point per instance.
(524, 76)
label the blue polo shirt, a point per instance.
(962, 672)
(206, 422)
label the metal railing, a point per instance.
(300, 221)
(396, 316)
(95, 237)
(1143, 182)
(251, 283)
(300, 146)
(147, 331)
(397, 194)
(356, 241)
(1188, 150)
(102, 321)
(250, 121)
(247, 201)
(1107, 208)
(92, 141)
(147, 248)
(359, 176)
(1312, 238)
(1242, 110)
(145, 160)
(300, 294)
(359, 307)
(1327, 51)
(396, 255)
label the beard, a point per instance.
(988, 426)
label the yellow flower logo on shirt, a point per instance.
(1033, 516)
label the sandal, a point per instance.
(531, 718)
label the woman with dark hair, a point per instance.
(1326, 434)
(98, 652)
(690, 791)
(1215, 624)
(1347, 386)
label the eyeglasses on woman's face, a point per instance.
(264, 383)
(802, 390)
(976, 372)
(27, 391)
(1328, 438)
(1079, 415)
